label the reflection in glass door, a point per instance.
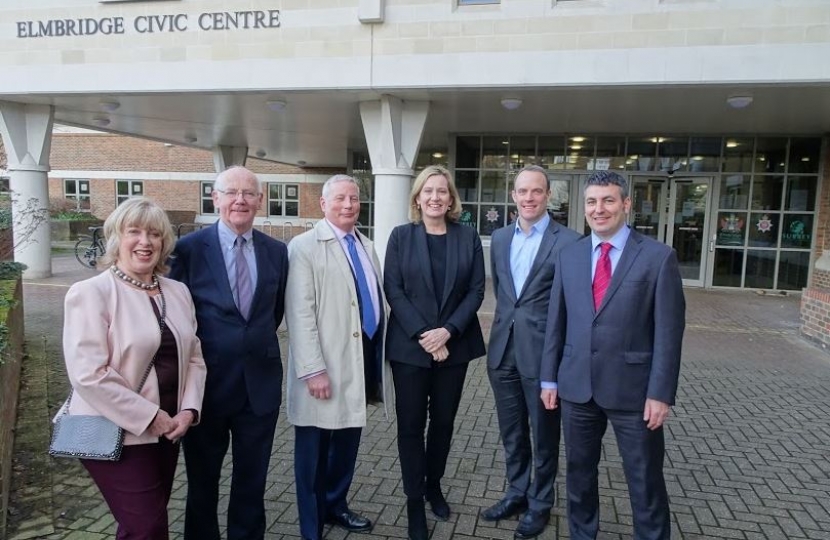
(648, 208)
(674, 211)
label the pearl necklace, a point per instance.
(136, 283)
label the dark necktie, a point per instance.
(244, 287)
(602, 274)
(367, 309)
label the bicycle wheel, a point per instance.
(86, 251)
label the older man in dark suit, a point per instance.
(612, 352)
(522, 257)
(237, 278)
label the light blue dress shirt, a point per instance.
(227, 240)
(523, 250)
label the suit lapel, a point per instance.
(335, 249)
(262, 267)
(548, 241)
(452, 263)
(215, 260)
(503, 254)
(629, 255)
(422, 252)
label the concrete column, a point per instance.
(228, 156)
(393, 131)
(27, 134)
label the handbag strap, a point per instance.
(162, 326)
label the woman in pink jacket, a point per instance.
(114, 325)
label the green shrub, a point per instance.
(11, 270)
(72, 215)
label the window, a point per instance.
(124, 189)
(487, 165)
(361, 171)
(77, 191)
(283, 200)
(206, 196)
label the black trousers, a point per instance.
(531, 462)
(205, 446)
(434, 392)
(642, 452)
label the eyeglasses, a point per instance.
(234, 193)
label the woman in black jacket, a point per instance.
(434, 283)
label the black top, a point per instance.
(167, 369)
(437, 245)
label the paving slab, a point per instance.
(748, 445)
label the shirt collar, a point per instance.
(340, 233)
(228, 238)
(618, 240)
(540, 226)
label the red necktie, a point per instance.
(602, 274)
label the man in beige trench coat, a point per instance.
(336, 317)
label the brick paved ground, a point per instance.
(748, 446)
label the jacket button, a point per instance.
(355, 335)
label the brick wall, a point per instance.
(106, 152)
(815, 301)
(9, 385)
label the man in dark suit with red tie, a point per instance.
(612, 352)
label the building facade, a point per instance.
(716, 110)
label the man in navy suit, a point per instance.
(237, 277)
(523, 257)
(612, 352)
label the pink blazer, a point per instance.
(110, 334)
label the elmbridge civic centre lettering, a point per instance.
(149, 24)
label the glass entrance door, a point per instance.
(674, 211)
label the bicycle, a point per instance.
(89, 248)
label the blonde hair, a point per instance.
(139, 212)
(454, 211)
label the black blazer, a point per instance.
(242, 357)
(409, 290)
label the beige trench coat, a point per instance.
(323, 317)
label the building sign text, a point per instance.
(150, 24)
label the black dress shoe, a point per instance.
(532, 524)
(505, 508)
(417, 519)
(350, 521)
(438, 504)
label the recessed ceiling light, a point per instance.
(102, 121)
(635, 156)
(260, 153)
(437, 155)
(732, 144)
(190, 138)
(301, 163)
(511, 103)
(739, 101)
(109, 105)
(578, 139)
(805, 159)
(576, 147)
(276, 105)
